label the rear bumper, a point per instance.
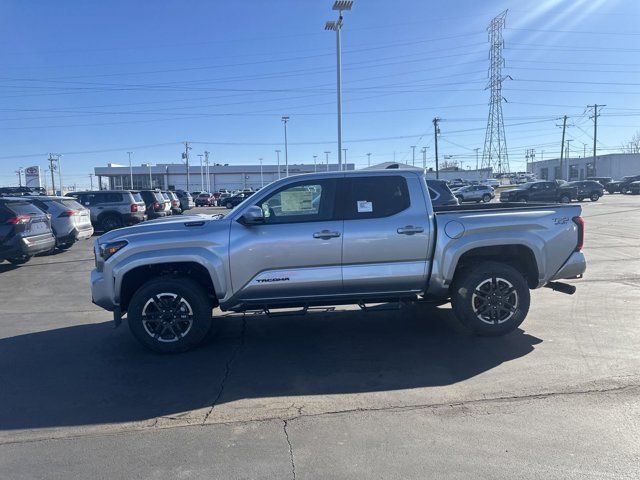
(30, 246)
(75, 235)
(133, 218)
(159, 214)
(574, 267)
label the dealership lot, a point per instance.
(285, 396)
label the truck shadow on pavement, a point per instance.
(92, 374)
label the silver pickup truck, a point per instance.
(335, 238)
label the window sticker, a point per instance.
(365, 206)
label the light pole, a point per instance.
(19, 172)
(368, 159)
(150, 177)
(90, 180)
(201, 173)
(130, 170)
(278, 154)
(340, 6)
(343, 166)
(327, 156)
(424, 158)
(315, 168)
(206, 162)
(261, 176)
(285, 119)
(413, 154)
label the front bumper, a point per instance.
(574, 267)
(101, 291)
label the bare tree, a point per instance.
(633, 145)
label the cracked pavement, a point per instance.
(343, 394)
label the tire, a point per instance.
(522, 199)
(176, 334)
(624, 190)
(65, 246)
(19, 260)
(470, 306)
(565, 199)
(594, 197)
(580, 199)
(486, 198)
(229, 205)
(110, 222)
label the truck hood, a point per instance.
(174, 225)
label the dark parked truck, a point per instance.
(541, 191)
(335, 238)
(623, 185)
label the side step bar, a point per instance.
(561, 287)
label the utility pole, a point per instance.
(327, 156)
(595, 132)
(564, 128)
(368, 159)
(436, 131)
(413, 154)
(202, 174)
(344, 163)
(285, 119)
(185, 157)
(91, 180)
(567, 156)
(51, 169)
(261, 176)
(315, 168)
(278, 154)
(130, 171)
(477, 150)
(206, 162)
(424, 158)
(59, 165)
(584, 150)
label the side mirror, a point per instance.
(252, 216)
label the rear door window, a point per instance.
(137, 197)
(23, 208)
(374, 197)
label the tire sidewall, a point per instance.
(192, 292)
(486, 198)
(595, 197)
(117, 223)
(468, 281)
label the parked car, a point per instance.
(111, 209)
(70, 221)
(604, 181)
(457, 183)
(440, 193)
(155, 203)
(622, 185)
(588, 189)
(166, 204)
(540, 191)
(492, 182)
(223, 196)
(19, 191)
(475, 193)
(186, 200)
(370, 236)
(634, 188)
(25, 230)
(175, 202)
(234, 200)
(206, 200)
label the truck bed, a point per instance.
(474, 207)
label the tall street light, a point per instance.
(130, 170)
(344, 150)
(340, 6)
(278, 155)
(201, 173)
(413, 154)
(285, 119)
(327, 156)
(315, 168)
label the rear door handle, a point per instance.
(326, 234)
(410, 230)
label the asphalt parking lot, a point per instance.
(333, 394)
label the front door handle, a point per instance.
(326, 234)
(410, 230)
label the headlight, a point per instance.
(108, 249)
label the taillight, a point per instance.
(174, 203)
(134, 208)
(19, 220)
(579, 221)
(68, 213)
(156, 206)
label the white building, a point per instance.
(444, 174)
(172, 176)
(615, 165)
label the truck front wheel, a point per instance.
(170, 315)
(490, 298)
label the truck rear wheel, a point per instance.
(490, 298)
(170, 315)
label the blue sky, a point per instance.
(93, 80)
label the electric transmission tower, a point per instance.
(495, 154)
